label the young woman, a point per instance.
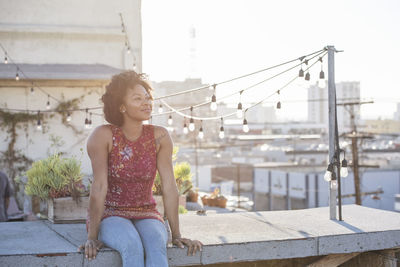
(125, 156)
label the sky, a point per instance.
(236, 37)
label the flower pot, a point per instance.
(221, 202)
(193, 196)
(204, 199)
(67, 210)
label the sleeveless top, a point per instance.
(131, 172)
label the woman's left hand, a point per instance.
(193, 245)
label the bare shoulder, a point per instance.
(161, 134)
(101, 135)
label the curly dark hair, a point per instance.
(116, 91)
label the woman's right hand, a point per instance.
(91, 247)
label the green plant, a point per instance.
(182, 210)
(55, 177)
(182, 174)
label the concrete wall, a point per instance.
(73, 32)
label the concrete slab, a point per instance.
(228, 237)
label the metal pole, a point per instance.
(331, 109)
(270, 190)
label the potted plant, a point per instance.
(215, 200)
(59, 181)
(193, 195)
(183, 178)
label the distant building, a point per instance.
(345, 92)
(382, 126)
(397, 113)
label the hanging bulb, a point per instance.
(343, 170)
(134, 65)
(48, 102)
(191, 125)
(301, 72)
(307, 77)
(17, 76)
(128, 50)
(170, 121)
(90, 121)
(69, 118)
(221, 132)
(86, 123)
(239, 112)
(201, 133)
(5, 59)
(213, 105)
(328, 173)
(321, 75)
(39, 123)
(245, 126)
(32, 91)
(160, 109)
(278, 105)
(185, 129)
(334, 184)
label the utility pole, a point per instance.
(354, 136)
(332, 124)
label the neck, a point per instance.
(132, 128)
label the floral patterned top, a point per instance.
(131, 173)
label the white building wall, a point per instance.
(73, 32)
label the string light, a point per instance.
(221, 129)
(301, 71)
(201, 133)
(239, 112)
(321, 81)
(328, 173)
(343, 170)
(69, 118)
(48, 102)
(307, 77)
(5, 58)
(185, 128)
(90, 121)
(278, 105)
(39, 123)
(160, 109)
(170, 121)
(213, 105)
(191, 122)
(86, 119)
(245, 126)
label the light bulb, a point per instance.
(278, 105)
(128, 50)
(39, 125)
(307, 77)
(32, 91)
(213, 106)
(69, 118)
(344, 172)
(334, 184)
(245, 126)
(160, 109)
(86, 123)
(191, 126)
(328, 176)
(221, 133)
(48, 105)
(17, 77)
(5, 60)
(239, 112)
(170, 121)
(201, 134)
(185, 129)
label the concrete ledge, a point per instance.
(229, 237)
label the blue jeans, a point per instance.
(140, 242)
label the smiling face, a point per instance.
(137, 104)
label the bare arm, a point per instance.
(170, 190)
(168, 184)
(97, 146)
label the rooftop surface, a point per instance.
(227, 237)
